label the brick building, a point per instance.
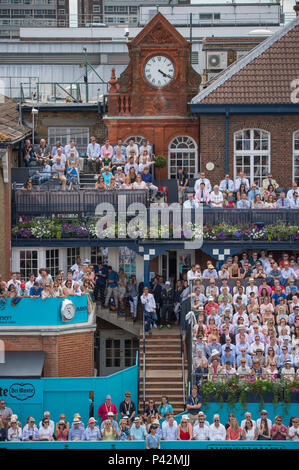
(249, 114)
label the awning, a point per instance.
(23, 364)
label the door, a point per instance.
(117, 351)
(185, 259)
(164, 265)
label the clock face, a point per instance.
(159, 70)
(68, 310)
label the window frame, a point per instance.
(295, 153)
(183, 151)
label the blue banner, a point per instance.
(38, 312)
(21, 391)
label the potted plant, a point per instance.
(160, 162)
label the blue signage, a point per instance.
(38, 312)
(21, 391)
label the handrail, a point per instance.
(183, 370)
(144, 353)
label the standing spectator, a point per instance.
(182, 182)
(106, 408)
(93, 156)
(127, 407)
(167, 297)
(132, 295)
(202, 179)
(5, 411)
(100, 279)
(165, 407)
(112, 287)
(149, 312)
(193, 404)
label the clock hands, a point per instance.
(164, 74)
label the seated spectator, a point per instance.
(283, 202)
(287, 372)
(28, 154)
(132, 148)
(216, 197)
(72, 176)
(27, 186)
(76, 432)
(131, 164)
(209, 272)
(253, 192)
(107, 175)
(202, 179)
(165, 407)
(55, 147)
(119, 147)
(226, 186)
(119, 176)
(241, 192)
(42, 151)
(145, 147)
(139, 183)
(190, 203)
(68, 290)
(185, 430)
(100, 183)
(293, 433)
(61, 156)
(36, 290)
(118, 160)
(137, 431)
(92, 432)
(217, 431)
(43, 175)
(132, 175)
(30, 430)
(234, 432)
(62, 432)
(279, 432)
(58, 170)
(45, 432)
(14, 432)
(202, 195)
(257, 202)
(243, 202)
(124, 429)
(151, 409)
(148, 179)
(295, 201)
(112, 184)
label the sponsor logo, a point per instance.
(22, 391)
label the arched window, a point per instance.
(182, 153)
(296, 157)
(252, 154)
(137, 139)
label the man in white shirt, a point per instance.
(191, 203)
(247, 418)
(227, 186)
(241, 179)
(202, 179)
(251, 288)
(217, 431)
(290, 193)
(130, 164)
(61, 155)
(288, 272)
(170, 429)
(295, 201)
(132, 147)
(94, 156)
(191, 274)
(201, 430)
(256, 345)
(14, 281)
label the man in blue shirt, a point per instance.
(35, 290)
(193, 404)
(148, 179)
(277, 294)
(76, 432)
(112, 284)
(253, 192)
(137, 432)
(94, 156)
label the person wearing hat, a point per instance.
(30, 430)
(14, 432)
(287, 372)
(107, 407)
(127, 407)
(209, 272)
(201, 428)
(215, 368)
(137, 431)
(92, 432)
(185, 430)
(152, 439)
(167, 300)
(110, 417)
(193, 404)
(76, 432)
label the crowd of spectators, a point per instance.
(237, 193)
(154, 425)
(114, 167)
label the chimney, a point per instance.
(296, 8)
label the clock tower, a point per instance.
(150, 98)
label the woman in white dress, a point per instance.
(249, 432)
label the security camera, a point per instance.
(34, 111)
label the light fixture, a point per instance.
(260, 32)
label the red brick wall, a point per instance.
(66, 356)
(212, 143)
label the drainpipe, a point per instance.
(226, 141)
(198, 156)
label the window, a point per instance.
(72, 254)
(98, 254)
(28, 263)
(96, 8)
(65, 134)
(137, 139)
(52, 261)
(61, 11)
(182, 152)
(127, 261)
(296, 157)
(252, 154)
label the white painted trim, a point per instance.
(195, 150)
(245, 60)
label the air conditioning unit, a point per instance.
(216, 60)
(241, 54)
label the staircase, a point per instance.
(163, 366)
(87, 180)
(122, 322)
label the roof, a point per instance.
(23, 364)
(262, 76)
(11, 130)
